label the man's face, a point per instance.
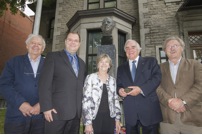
(132, 50)
(35, 46)
(108, 24)
(173, 49)
(72, 43)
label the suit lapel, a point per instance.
(128, 71)
(140, 67)
(179, 71)
(67, 62)
(28, 68)
(40, 66)
(167, 72)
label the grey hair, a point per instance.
(173, 38)
(29, 38)
(136, 43)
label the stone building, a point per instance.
(147, 21)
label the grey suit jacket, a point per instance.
(188, 87)
(59, 88)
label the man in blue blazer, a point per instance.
(141, 104)
(19, 87)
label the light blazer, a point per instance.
(18, 85)
(188, 87)
(92, 90)
(59, 88)
(148, 77)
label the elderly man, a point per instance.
(137, 81)
(180, 91)
(19, 87)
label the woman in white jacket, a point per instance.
(101, 108)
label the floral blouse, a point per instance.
(92, 93)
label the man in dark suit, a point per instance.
(19, 87)
(142, 76)
(61, 86)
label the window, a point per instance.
(161, 55)
(121, 53)
(109, 3)
(51, 28)
(93, 4)
(195, 42)
(93, 41)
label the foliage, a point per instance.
(2, 117)
(13, 5)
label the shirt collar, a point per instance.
(137, 59)
(37, 59)
(69, 54)
(178, 62)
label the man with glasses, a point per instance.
(61, 88)
(180, 91)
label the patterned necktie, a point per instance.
(74, 64)
(133, 72)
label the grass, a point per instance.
(2, 117)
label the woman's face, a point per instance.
(103, 65)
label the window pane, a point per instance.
(91, 1)
(93, 41)
(109, 3)
(121, 53)
(94, 6)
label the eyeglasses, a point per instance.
(172, 46)
(71, 40)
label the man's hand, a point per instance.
(36, 109)
(136, 91)
(122, 92)
(26, 108)
(176, 104)
(48, 115)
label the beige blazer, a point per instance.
(188, 87)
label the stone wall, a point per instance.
(64, 11)
(157, 20)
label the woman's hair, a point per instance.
(103, 56)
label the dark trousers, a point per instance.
(103, 124)
(139, 128)
(63, 126)
(28, 126)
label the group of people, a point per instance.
(52, 94)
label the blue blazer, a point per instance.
(18, 85)
(145, 108)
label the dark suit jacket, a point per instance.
(59, 88)
(188, 87)
(18, 85)
(145, 108)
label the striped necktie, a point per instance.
(74, 64)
